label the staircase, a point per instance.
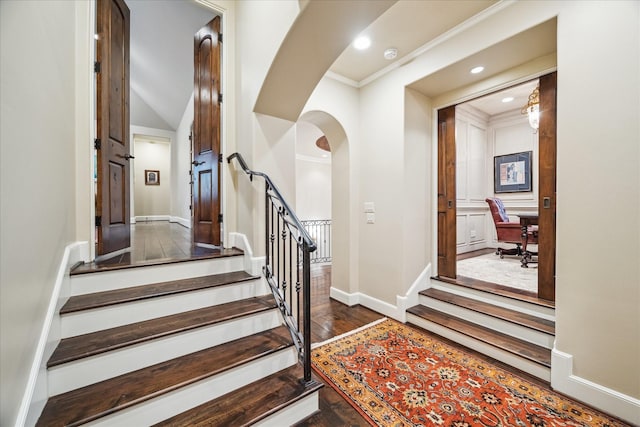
(190, 343)
(516, 330)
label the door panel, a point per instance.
(112, 86)
(447, 192)
(206, 135)
(547, 188)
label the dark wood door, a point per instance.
(206, 135)
(112, 86)
(447, 192)
(547, 188)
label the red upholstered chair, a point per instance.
(509, 232)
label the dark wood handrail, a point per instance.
(293, 217)
(281, 264)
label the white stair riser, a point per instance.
(87, 321)
(185, 398)
(511, 359)
(128, 277)
(513, 304)
(522, 332)
(80, 373)
(293, 413)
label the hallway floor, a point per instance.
(155, 242)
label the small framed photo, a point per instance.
(151, 177)
(512, 173)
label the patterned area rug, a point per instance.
(395, 375)
(506, 271)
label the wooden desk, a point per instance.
(525, 221)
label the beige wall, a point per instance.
(37, 161)
(152, 200)
(598, 274)
(595, 68)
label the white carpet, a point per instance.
(506, 271)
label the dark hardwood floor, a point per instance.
(154, 242)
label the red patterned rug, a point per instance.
(394, 375)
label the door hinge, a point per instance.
(97, 144)
(96, 67)
(219, 37)
(220, 98)
(98, 221)
(190, 207)
(220, 218)
(220, 158)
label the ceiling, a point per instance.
(162, 51)
(406, 26)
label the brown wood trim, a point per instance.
(284, 388)
(493, 288)
(81, 346)
(137, 293)
(547, 188)
(447, 192)
(513, 316)
(107, 397)
(505, 342)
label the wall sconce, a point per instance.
(532, 109)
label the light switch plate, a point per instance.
(369, 207)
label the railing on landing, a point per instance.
(287, 270)
(320, 232)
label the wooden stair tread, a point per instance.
(136, 293)
(513, 316)
(532, 352)
(493, 288)
(248, 404)
(124, 261)
(97, 400)
(94, 343)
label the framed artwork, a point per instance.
(512, 173)
(151, 177)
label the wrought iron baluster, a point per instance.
(281, 220)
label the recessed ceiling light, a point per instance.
(476, 70)
(362, 43)
(507, 99)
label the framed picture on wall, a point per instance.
(151, 177)
(512, 173)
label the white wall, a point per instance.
(254, 56)
(152, 200)
(181, 167)
(473, 179)
(37, 180)
(313, 188)
(594, 68)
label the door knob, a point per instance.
(197, 163)
(128, 156)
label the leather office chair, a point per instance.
(509, 232)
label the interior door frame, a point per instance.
(548, 129)
(85, 87)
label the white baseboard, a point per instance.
(36, 393)
(412, 297)
(182, 221)
(252, 265)
(398, 311)
(146, 218)
(610, 401)
(365, 300)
